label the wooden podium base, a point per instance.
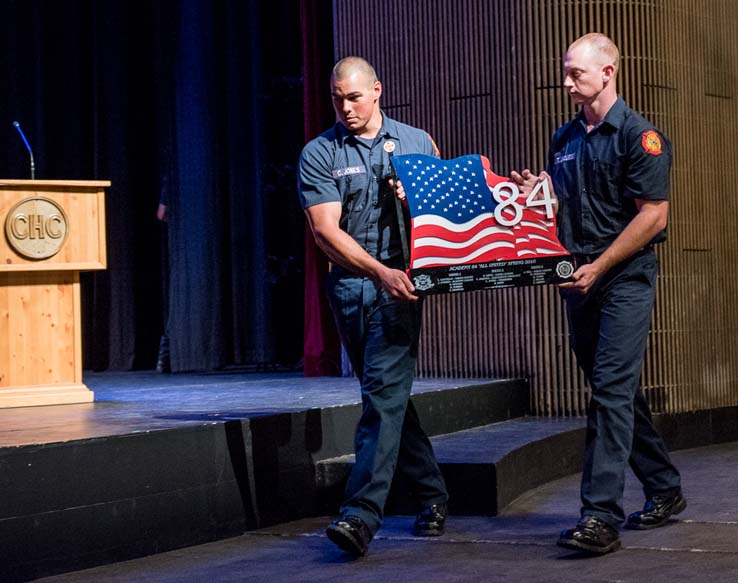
(41, 344)
(33, 396)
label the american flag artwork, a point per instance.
(457, 220)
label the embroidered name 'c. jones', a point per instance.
(348, 171)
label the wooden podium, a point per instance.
(52, 230)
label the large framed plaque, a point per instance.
(472, 229)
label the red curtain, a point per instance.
(322, 355)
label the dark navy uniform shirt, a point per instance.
(338, 166)
(598, 175)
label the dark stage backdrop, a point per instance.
(206, 96)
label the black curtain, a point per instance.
(322, 348)
(205, 98)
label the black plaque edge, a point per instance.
(550, 269)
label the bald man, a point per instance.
(609, 168)
(345, 190)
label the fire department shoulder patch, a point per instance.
(651, 143)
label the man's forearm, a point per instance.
(343, 250)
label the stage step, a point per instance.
(288, 447)
(485, 468)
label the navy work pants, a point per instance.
(381, 338)
(609, 330)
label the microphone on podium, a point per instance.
(28, 147)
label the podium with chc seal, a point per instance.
(52, 230)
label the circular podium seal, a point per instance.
(36, 227)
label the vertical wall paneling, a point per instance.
(484, 76)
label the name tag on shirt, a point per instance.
(348, 171)
(559, 158)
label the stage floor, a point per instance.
(134, 402)
(516, 546)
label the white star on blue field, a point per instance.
(453, 189)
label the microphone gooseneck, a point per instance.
(28, 147)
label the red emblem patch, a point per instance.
(651, 143)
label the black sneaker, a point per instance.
(656, 512)
(351, 534)
(431, 520)
(592, 535)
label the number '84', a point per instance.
(509, 211)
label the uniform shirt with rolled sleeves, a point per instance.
(338, 166)
(598, 175)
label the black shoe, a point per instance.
(351, 534)
(592, 535)
(656, 512)
(431, 520)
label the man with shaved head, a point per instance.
(609, 168)
(345, 190)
